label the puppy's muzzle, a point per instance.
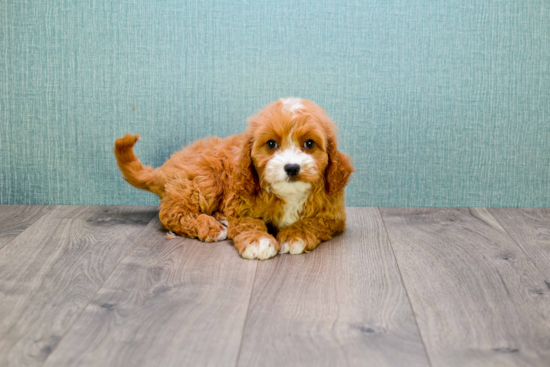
(292, 170)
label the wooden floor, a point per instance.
(102, 286)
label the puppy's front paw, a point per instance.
(261, 247)
(293, 247)
(261, 250)
(296, 243)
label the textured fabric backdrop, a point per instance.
(440, 103)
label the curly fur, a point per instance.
(219, 188)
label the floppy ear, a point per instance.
(338, 170)
(245, 178)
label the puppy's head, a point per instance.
(292, 146)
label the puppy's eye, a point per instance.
(309, 144)
(272, 144)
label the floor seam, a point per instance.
(405, 287)
(26, 229)
(246, 317)
(101, 286)
(516, 242)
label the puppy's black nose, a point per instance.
(292, 169)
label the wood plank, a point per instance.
(14, 219)
(530, 228)
(478, 299)
(49, 273)
(176, 302)
(341, 304)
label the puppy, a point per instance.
(284, 171)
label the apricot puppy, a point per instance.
(285, 171)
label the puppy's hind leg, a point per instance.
(181, 214)
(192, 225)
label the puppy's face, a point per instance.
(291, 145)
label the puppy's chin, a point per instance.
(288, 189)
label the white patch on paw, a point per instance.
(266, 249)
(285, 248)
(261, 250)
(222, 236)
(297, 247)
(224, 222)
(250, 252)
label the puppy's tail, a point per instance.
(136, 174)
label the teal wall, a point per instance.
(440, 103)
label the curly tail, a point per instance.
(136, 174)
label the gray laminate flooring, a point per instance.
(103, 286)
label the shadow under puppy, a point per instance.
(284, 171)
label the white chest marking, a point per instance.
(294, 194)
